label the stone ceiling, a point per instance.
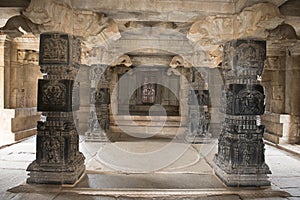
(156, 26)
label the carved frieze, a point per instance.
(55, 95)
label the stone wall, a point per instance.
(18, 87)
(281, 82)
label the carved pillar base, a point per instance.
(54, 174)
(58, 160)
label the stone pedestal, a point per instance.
(240, 158)
(58, 160)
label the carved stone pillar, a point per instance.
(99, 119)
(240, 160)
(198, 102)
(58, 160)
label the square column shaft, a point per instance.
(58, 160)
(240, 160)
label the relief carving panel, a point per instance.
(54, 49)
(242, 99)
(55, 95)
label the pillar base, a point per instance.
(198, 139)
(241, 179)
(52, 173)
(96, 137)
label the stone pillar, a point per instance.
(58, 160)
(240, 160)
(198, 112)
(99, 118)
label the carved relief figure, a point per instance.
(250, 55)
(250, 102)
(54, 93)
(52, 149)
(54, 49)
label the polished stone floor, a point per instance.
(146, 169)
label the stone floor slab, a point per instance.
(190, 173)
(150, 181)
